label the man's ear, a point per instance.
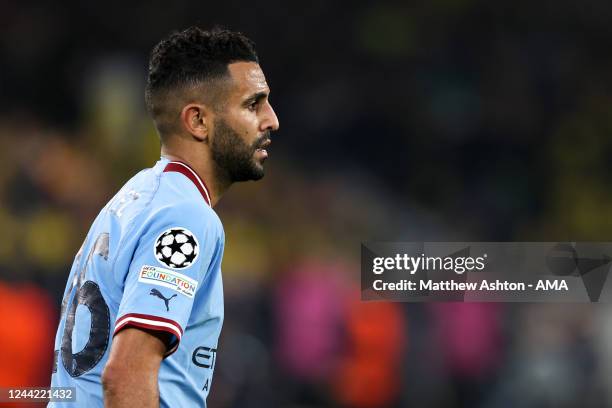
(195, 119)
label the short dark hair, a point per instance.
(190, 57)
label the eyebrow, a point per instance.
(256, 97)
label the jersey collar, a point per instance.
(187, 171)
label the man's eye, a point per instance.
(253, 106)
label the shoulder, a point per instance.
(188, 213)
(178, 202)
(178, 230)
(177, 206)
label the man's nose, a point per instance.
(271, 120)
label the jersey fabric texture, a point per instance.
(152, 259)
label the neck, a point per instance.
(205, 167)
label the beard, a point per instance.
(233, 156)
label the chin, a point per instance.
(258, 175)
(258, 172)
(252, 173)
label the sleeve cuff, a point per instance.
(150, 322)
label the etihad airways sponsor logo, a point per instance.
(170, 279)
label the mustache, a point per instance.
(263, 139)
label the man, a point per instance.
(143, 306)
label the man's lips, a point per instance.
(261, 150)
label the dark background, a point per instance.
(443, 120)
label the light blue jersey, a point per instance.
(152, 259)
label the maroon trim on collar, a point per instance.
(191, 175)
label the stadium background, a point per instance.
(445, 120)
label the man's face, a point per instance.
(241, 131)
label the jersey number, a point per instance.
(88, 294)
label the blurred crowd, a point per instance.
(449, 120)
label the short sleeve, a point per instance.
(173, 253)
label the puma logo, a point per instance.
(155, 292)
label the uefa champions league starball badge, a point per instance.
(176, 248)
